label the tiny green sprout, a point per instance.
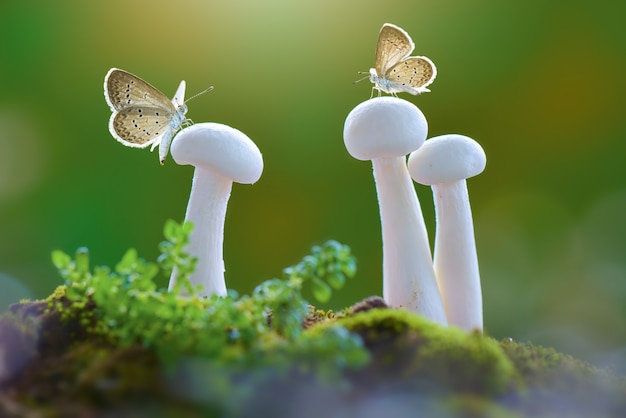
(82, 260)
(327, 268)
(173, 255)
(61, 260)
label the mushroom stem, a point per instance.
(444, 163)
(384, 130)
(455, 258)
(206, 210)
(408, 276)
(221, 155)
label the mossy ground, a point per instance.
(54, 367)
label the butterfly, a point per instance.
(395, 71)
(142, 115)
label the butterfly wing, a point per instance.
(411, 75)
(393, 45)
(142, 115)
(140, 126)
(123, 89)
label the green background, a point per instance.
(541, 85)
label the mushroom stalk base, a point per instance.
(456, 261)
(408, 276)
(207, 211)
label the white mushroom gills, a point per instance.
(444, 163)
(384, 130)
(221, 155)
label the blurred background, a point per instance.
(540, 85)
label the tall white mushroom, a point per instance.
(221, 155)
(444, 162)
(384, 130)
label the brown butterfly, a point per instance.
(395, 71)
(142, 115)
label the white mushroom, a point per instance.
(384, 130)
(220, 155)
(444, 163)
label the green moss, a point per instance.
(405, 346)
(110, 343)
(90, 378)
(59, 293)
(412, 365)
(555, 380)
(536, 363)
(317, 316)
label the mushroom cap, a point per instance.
(446, 158)
(384, 127)
(219, 148)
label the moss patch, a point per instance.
(54, 366)
(407, 348)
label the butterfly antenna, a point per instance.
(361, 79)
(198, 94)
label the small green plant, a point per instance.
(327, 268)
(262, 329)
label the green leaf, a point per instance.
(170, 230)
(61, 260)
(336, 280)
(349, 268)
(187, 228)
(82, 260)
(321, 291)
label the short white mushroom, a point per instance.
(444, 162)
(221, 155)
(384, 130)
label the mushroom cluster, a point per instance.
(447, 289)
(382, 130)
